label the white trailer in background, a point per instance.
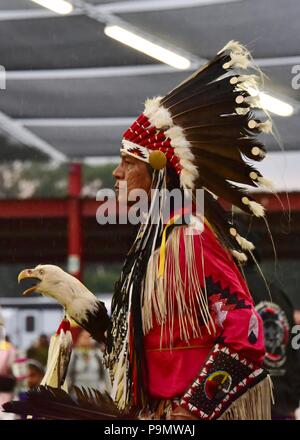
(26, 318)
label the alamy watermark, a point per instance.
(2, 78)
(138, 207)
(296, 77)
(295, 341)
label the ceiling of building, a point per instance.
(71, 90)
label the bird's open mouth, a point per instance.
(25, 276)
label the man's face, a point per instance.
(134, 172)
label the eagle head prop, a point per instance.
(79, 303)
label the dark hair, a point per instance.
(172, 177)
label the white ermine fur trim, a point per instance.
(157, 114)
(253, 101)
(240, 256)
(188, 166)
(245, 244)
(239, 54)
(234, 46)
(265, 127)
(177, 137)
(187, 180)
(182, 150)
(257, 209)
(239, 61)
(266, 183)
(245, 81)
(242, 110)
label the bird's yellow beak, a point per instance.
(28, 274)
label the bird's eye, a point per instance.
(41, 272)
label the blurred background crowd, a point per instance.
(22, 370)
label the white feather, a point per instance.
(257, 209)
(265, 127)
(266, 183)
(58, 359)
(186, 158)
(253, 101)
(245, 244)
(240, 256)
(158, 115)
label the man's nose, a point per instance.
(118, 172)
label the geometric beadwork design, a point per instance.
(143, 134)
(225, 376)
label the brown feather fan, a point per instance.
(208, 129)
(207, 73)
(215, 111)
(45, 402)
(218, 218)
(235, 170)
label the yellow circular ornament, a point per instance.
(157, 159)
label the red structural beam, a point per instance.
(74, 221)
(39, 231)
(37, 208)
(280, 202)
(33, 208)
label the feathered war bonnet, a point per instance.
(207, 131)
(204, 129)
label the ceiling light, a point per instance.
(58, 6)
(275, 105)
(141, 44)
(272, 104)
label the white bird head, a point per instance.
(67, 290)
(48, 279)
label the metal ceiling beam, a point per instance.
(123, 71)
(75, 122)
(118, 7)
(29, 14)
(89, 72)
(157, 5)
(25, 136)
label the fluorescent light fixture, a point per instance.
(272, 104)
(275, 105)
(58, 6)
(153, 50)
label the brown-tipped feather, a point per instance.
(235, 170)
(207, 73)
(230, 127)
(220, 222)
(232, 149)
(219, 186)
(56, 404)
(216, 91)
